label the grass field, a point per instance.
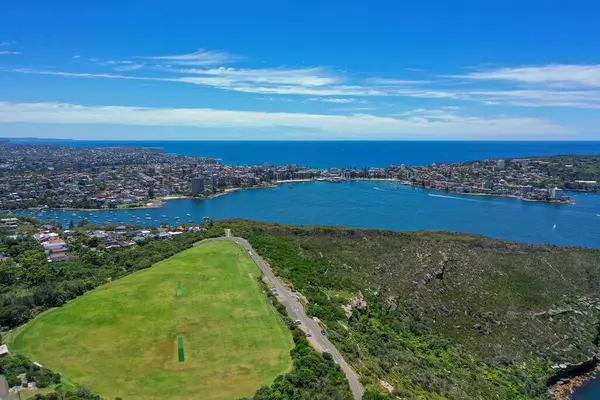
(121, 339)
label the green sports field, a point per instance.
(122, 338)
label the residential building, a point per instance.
(557, 193)
(487, 185)
(215, 182)
(198, 185)
(527, 189)
(10, 222)
(58, 255)
(54, 244)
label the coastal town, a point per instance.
(51, 176)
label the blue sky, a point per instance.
(300, 70)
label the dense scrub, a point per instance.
(441, 315)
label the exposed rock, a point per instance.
(392, 303)
(347, 309)
(428, 278)
(359, 302)
(386, 385)
(553, 312)
(566, 371)
(482, 330)
(440, 272)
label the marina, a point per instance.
(385, 205)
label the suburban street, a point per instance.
(296, 310)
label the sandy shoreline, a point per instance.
(158, 202)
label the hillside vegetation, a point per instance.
(440, 315)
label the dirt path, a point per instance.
(296, 310)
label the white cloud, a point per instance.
(305, 84)
(5, 43)
(339, 100)
(6, 52)
(275, 76)
(556, 74)
(354, 109)
(435, 114)
(393, 82)
(76, 56)
(86, 75)
(539, 98)
(129, 67)
(547, 86)
(357, 125)
(199, 58)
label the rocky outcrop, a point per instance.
(438, 273)
(392, 303)
(565, 372)
(357, 302)
(553, 313)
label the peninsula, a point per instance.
(51, 176)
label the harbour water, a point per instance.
(375, 204)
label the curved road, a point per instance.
(296, 310)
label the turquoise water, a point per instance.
(377, 204)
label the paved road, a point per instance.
(296, 310)
(3, 388)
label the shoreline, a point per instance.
(158, 202)
(487, 195)
(566, 390)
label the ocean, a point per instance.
(327, 154)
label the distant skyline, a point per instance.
(273, 70)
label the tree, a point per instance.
(71, 224)
(10, 273)
(93, 241)
(31, 258)
(151, 193)
(82, 222)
